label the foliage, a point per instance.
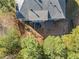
(3, 52)
(73, 55)
(28, 42)
(54, 48)
(7, 5)
(10, 41)
(30, 49)
(71, 40)
(63, 47)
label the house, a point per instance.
(41, 10)
(48, 17)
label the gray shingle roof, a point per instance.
(42, 10)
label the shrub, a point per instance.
(10, 41)
(63, 47)
(7, 5)
(3, 52)
(30, 49)
(71, 41)
(28, 42)
(73, 55)
(54, 48)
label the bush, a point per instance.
(54, 48)
(62, 47)
(7, 5)
(30, 49)
(3, 52)
(73, 55)
(10, 41)
(28, 42)
(71, 41)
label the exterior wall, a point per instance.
(54, 28)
